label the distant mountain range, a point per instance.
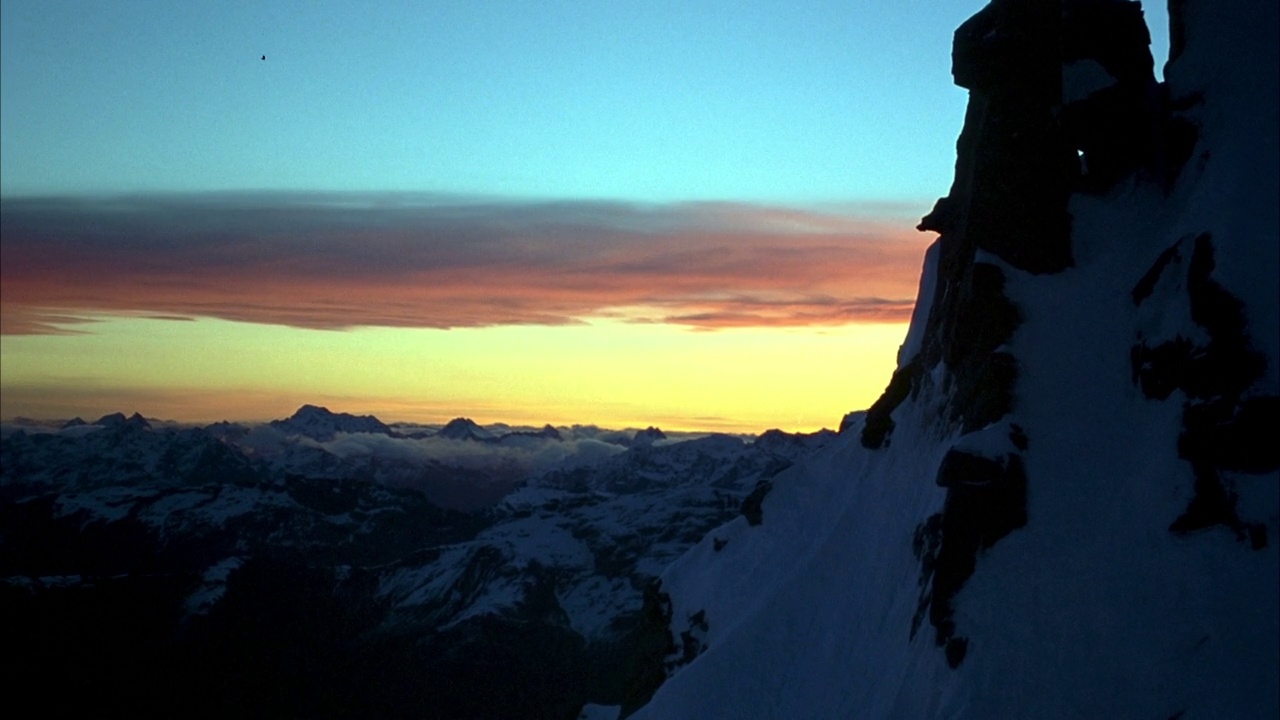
(213, 556)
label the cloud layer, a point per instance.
(342, 261)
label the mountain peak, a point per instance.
(320, 423)
(118, 419)
(647, 437)
(464, 429)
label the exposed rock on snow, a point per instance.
(1110, 98)
(1227, 426)
(1007, 211)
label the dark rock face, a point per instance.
(1061, 99)
(753, 504)
(1013, 165)
(985, 375)
(1238, 437)
(652, 642)
(986, 500)
(879, 423)
(1015, 169)
(1224, 426)
(1110, 90)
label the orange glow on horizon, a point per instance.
(604, 373)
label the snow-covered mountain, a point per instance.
(247, 548)
(118, 452)
(1066, 502)
(596, 535)
(319, 423)
(464, 429)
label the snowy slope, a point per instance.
(1099, 606)
(593, 536)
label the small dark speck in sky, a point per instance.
(264, 57)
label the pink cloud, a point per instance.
(335, 262)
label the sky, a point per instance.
(697, 215)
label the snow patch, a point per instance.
(213, 585)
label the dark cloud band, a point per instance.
(341, 261)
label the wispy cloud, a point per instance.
(341, 261)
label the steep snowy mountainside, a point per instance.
(1066, 503)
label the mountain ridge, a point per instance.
(218, 546)
(1069, 482)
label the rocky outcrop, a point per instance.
(651, 642)
(986, 484)
(1227, 426)
(1068, 490)
(1015, 169)
(1062, 99)
(1110, 97)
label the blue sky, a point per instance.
(654, 100)
(646, 101)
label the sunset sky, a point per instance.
(697, 215)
